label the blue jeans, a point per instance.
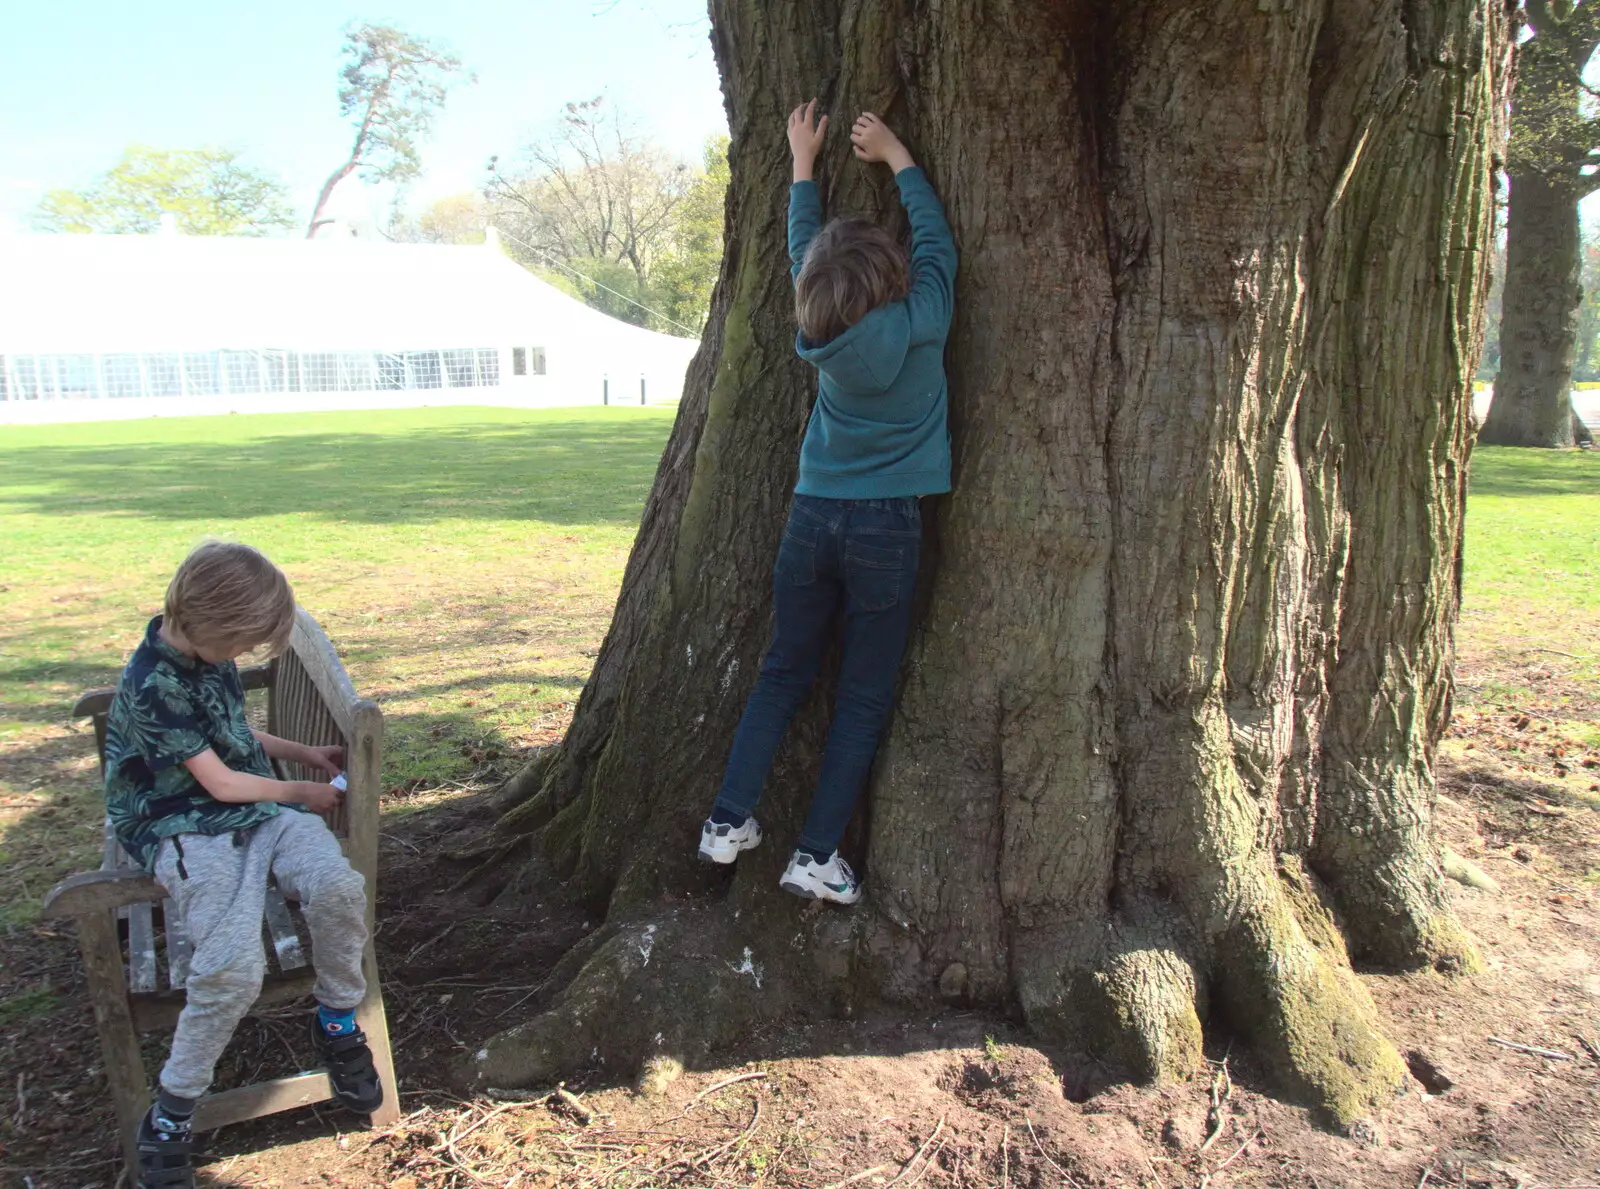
(858, 557)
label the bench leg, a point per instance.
(119, 1041)
(371, 1019)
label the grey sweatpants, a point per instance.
(220, 893)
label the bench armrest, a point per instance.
(99, 891)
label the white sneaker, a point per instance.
(722, 843)
(812, 880)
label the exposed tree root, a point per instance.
(683, 984)
(1124, 994)
(1398, 907)
(1285, 981)
(529, 779)
(691, 981)
(1281, 974)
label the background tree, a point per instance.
(1553, 161)
(683, 279)
(1586, 362)
(393, 87)
(209, 192)
(458, 219)
(597, 198)
(1184, 650)
(1493, 316)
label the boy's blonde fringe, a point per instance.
(227, 596)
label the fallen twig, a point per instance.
(434, 940)
(611, 1174)
(499, 1095)
(722, 1085)
(1553, 1054)
(565, 1096)
(860, 1176)
(448, 1146)
(927, 1163)
(906, 1167)
(456, 1137)
(1005, 1157)
(1206, 1180)
(708, 1157)
(1064, 1173)
(1427, 1171)
(1588, 1047)
(1221, 1088)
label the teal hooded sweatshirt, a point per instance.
(879, 428)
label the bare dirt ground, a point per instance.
(955, 1099)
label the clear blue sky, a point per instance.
(82, 79)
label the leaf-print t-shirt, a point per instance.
(168, 708)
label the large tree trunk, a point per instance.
(1167, 722)
(1532, 403)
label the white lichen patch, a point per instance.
(647, 943)
(748, 966)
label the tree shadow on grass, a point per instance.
(1509, 471)
(19, 681)
(578, 472)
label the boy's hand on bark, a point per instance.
(875, 141)
(805, 138)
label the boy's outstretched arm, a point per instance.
(330, 759)
(805, 204)
(933, 249)
(223, 783)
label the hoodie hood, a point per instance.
(866, 359)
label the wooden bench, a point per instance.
(135, 954)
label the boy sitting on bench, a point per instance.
(191, 794)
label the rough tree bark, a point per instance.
(1552, 143)
(1164, 744)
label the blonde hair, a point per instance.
(227, 596)
(852, 267)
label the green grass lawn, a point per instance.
(1530, 624)
(465, 561)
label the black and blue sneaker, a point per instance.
(166, 1147)
(348, 1060)
(812, 879)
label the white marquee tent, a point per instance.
(96, 326)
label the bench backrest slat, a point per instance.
(299, 710)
